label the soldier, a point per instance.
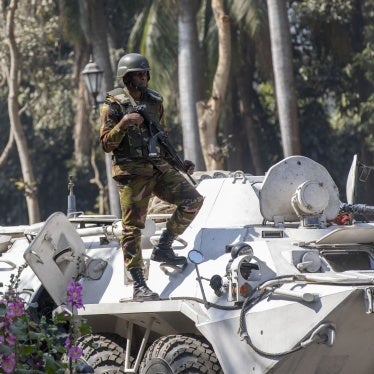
(125, 133)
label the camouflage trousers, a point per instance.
(135, 192)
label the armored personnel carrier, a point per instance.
(280, 279)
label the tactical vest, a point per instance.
(135, 142)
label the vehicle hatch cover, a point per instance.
(56, 256)
(349, 235)
(281, 182)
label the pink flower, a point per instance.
(8, 321)
(8, 363)
(11, 339)
(15, 309)
(75, 352)
(75, 294)
(67, 342)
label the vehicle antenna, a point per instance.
(71, 198)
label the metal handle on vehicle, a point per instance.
(10, 263)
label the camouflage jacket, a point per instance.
(129, 147)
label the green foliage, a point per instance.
(45, 97)
(250, 15)
(155, 34)
(333, 64)
(70, 22)
(46, 346)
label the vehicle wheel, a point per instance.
(104, 352)
(176, 354)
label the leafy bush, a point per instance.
(47, 346)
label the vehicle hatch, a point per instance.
(56, 255)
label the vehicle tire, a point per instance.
(175, 354)
(105, 352)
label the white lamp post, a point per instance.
(93, 76)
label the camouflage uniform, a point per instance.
(138, 176)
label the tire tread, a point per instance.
(184, 354)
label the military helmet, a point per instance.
(131, 62)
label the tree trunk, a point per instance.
(29, 183)
(209, 112)
(82, 142)
(245, 82)
(234, 132)
(188, 61)
(73, 28)
(4, 155)
(281, 50)
(97, 34)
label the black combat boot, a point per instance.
(141, 291)
(163, 252)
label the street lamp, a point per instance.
(93, 76)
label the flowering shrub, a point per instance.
(28, 346)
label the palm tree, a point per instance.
(188, 68)
(283, 75)
(154, 34)
(167, 35)
(251, 51)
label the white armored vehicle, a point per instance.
(280, 279)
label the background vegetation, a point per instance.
(332, 60)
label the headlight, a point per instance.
(239, 273)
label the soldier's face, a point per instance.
(139, 78)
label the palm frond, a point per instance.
(249, 14)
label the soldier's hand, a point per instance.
(190, 166)
(131, 119)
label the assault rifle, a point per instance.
(158, 136)
(357, 208)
